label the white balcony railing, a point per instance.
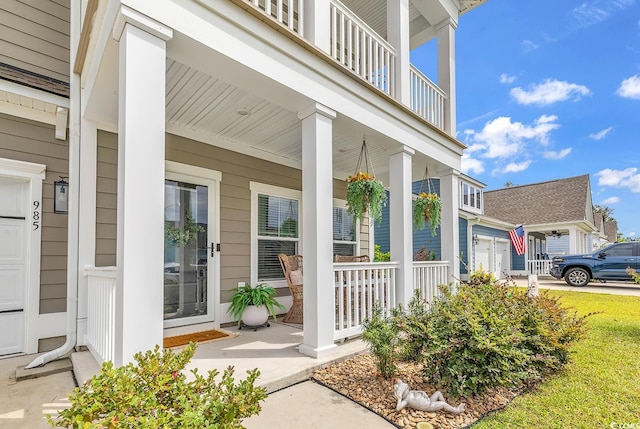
(541, 267)
(101, 311)
(360, 49)
(427, 276)
(358, 286)
(287, 12)
(427, 100)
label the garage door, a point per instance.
(483, 255)
(502, 259)
(13, 254)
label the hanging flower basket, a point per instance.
(427, 209)
(365, 194)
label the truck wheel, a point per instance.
(577, 277)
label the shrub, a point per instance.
(378, 256)
(155, 393)
(382, 335)
(481, 277)
(491, 335)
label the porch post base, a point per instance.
(318, 352)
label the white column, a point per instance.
(446, 33)
(398, 37)
(317, 23)
(87, 222)
(400, 221)
(573, 241)
(449, 232)
(317, 230)
(141, 159)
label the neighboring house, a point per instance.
(205, 137)
(483, 241)
(557, 216)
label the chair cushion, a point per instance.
(296, 277)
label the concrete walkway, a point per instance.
(610, 287)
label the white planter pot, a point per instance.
(255, 315)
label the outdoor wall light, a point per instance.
(476, 240)
(61, 196)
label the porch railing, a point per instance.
(358, 286)
(360, 49)
(101, 310)
(541, 267)
(427, 100)
(288, 12)
(427, 276)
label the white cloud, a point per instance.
(555, 155)
(549, 92)
(601, 134)
(630, 88)
(505, 78)
(471, 165)
(627, 178)
(596, 11)
(528, 46)
(631, 234)
(512, 167)
(501, 138)
(610, 200)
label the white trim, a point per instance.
(212, 179)
(262, 188)
(13, 168)
(34, 94)
(342, 204)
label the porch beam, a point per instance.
(141, 162)
(317, 230)
(449, 232)
(400, 223)
(446, 33)
(398, 36)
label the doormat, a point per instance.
(182, 340)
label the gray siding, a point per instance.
(464, 248)
(235, 199)
(29, 141)
(34, 36)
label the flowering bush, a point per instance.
(154, 393)
(365, 193)
(427, 209)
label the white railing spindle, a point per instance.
(428, 276)
(287, 12)
(358, 288)
(101, 297)
(541, 267)
(427, 100)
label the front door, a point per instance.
(189, 250)
(13, 263)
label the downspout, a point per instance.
(74, 195)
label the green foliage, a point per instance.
(178, 236)
(155, 393)
(490, 335)
(481, 277)
(427, 208)
(382, 335)
(243, 296)
(378, 256)
(424, 255)
(365, 194)
(634, 275)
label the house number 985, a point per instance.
(36, 215)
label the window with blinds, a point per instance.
(344, 233)
(278, 220)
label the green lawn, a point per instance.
(601, 384)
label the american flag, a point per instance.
(517, 239)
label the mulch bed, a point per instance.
(358, 379)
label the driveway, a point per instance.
(610, 287)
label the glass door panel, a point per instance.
(186, 250)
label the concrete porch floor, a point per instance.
(273, 350)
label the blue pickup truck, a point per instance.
(608, 263)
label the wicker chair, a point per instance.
(292, 269)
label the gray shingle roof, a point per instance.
(562, 200)
(34, 80)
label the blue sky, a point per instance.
(549, 89)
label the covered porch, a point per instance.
(169, 107)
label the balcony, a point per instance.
(360, 49)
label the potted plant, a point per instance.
(251, 306)
(426, 209)
(365, 193)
